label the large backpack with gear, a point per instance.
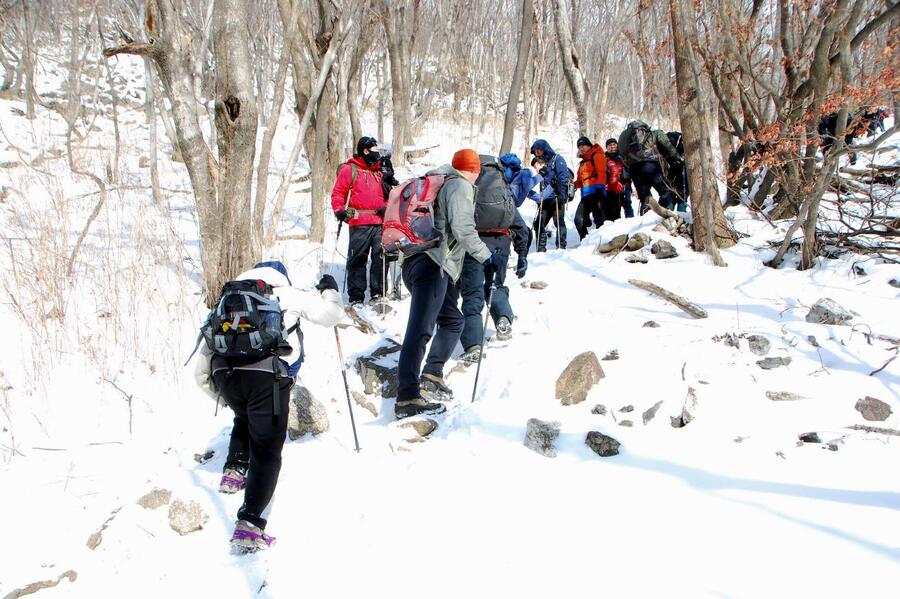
(638, 144)
(409, 216)
(495, 206)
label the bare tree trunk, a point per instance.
(393, 20)
(150, 112)
(574, 77)
(114, 97)
(28, 60)
(379, 71)
(711, 230)
(515, 90)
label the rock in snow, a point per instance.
(782, 396)
(603, 445)
(540, 436)
(305, 414)
(364, 403)
(155, 499)
(662, 249)
(599, 409)
(613, 245)
(538, 285)
(650, 413)
(759, 345)
(828, 311)
(637, 241)
(810, 438)
(638, 257)
(770, 363)
(186, 518)
(873, 409)
(582, 373)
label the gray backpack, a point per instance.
(638, 144)
(495, 207)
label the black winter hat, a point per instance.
(583, 141)
(612, 140)
(365, 143)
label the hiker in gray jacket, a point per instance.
(430, 277)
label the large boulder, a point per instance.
(185, 518)
(306, 415)
(378, 370)
(873, 409)
(603, 445)
(828, 311)
(662, 249)
(540, 436)
(613, 245)
(582, 373)
(637, 241)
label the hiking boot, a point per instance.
(357, 305)
(376, 300)
(471, 355)
(504, 329)
(434, 388)
(232, 481)
(417, 407)
(248, 538)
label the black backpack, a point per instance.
(247, 324)
(495, 207)
(638, 144)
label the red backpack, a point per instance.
(409, 217)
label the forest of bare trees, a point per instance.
(746, 81)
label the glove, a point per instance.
(495, 262)
(521, 266)
(380, 212)
(327, 282)
(342, 216)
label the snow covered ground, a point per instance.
(731, 505)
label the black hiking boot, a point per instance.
(417, 407)
(434, 388)
(471, 355)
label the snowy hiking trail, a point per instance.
(680, 512)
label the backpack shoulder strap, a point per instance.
(353, 173)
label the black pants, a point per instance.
(434, 302)
(257, 436)
(548, 211)
(364, 240)
(588, 209)
(474, 285)
(648, 175)
(611, 205)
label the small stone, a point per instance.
(832, 447)
(582, 373)
(627, 409)
(759, 345)
(612, 355)
(894, 283)
(364, 403)
(613, 245)
(637, 241)
(202, 458)
(812, 341)
(306, 415)
(859, 271)
(650, 413)
(651, 324)
(626, 423)
(538, 285)
(603, 445)
(782, 396)
(688, 411)
(155, 499)
(810, 438)
(423, 428)
(662, 249)
(828, 311)
(661, 228)
(186, 518)
(540, 436)
(640, 257)
(771, 363)
(599, 409)
(873, 409)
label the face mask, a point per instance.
(371, 158)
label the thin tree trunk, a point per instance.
(28, 61)
(150, 112)
(574, 77)
(515, 90)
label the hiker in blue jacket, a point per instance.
(553, 201)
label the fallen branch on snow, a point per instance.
(875, 429)
(687, 306)
(34, 587)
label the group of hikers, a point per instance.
(453, 232)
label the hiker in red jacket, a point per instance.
(358, 200)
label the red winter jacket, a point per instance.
(614, 169)
(366, 194)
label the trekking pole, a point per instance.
(337, 338)
(557, 223)
(487, 315)
(540, 215)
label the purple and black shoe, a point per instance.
(232, 481)
(248, 538)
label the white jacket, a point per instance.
(325, 309)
